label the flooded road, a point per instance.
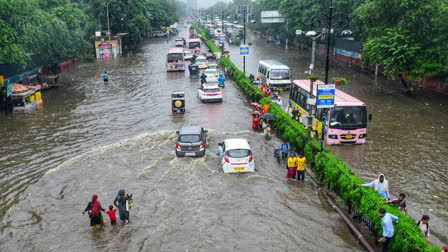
(89, 138)
(406, 140)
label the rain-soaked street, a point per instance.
(89, 138)
(94, 138)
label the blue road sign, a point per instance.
(325, 96)
(222, 38)
(212, 32)
(244, 50)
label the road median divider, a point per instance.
(329, 168)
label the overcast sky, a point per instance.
(208, 3)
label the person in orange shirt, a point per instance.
(300, 161)
(266, 107)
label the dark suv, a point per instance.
(191, 141)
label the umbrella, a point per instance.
(268, 116)
(256, 104)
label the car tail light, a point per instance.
(226, 157)
(202, 145)
(250, 157)
(178, 146)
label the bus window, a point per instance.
(277, 75)
(268, 75)
(175, 57)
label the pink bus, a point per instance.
(195, 46)
(345, 123)
(175, 59)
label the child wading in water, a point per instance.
(111, 213)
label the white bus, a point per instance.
(274, 74)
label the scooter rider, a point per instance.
(221, 81)
(203, 78)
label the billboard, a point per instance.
(271, 17)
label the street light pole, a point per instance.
(222, 30)
(244, 40)
(327, 61)
(108, 25)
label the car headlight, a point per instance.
(333, 136)
(362, 135)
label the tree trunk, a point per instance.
(404, 83)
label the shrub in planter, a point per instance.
(313, 77)
(237, 42)
(339, 81)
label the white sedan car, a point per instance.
(201, 61)
(210, 93)
(236, 156)
(188, 55)
(212, 75)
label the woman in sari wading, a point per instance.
(121, 200)
(94, 208)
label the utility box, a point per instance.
(307, 120)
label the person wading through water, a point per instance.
(94, 208)
(121, 200)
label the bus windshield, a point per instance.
(279, 75)
(348, 117)
(175, 57)
(193, 45)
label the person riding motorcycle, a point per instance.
(203, 78)
(221, 81)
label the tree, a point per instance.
(406, 37)
(11, 51)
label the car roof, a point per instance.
(200, 57)
(210, 70)
(210, 86)
(237, 143)
(190, 130)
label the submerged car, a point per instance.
(210, 93)
(191, 141)
(212, 75)
(188, 55)
(213, 66)
(236, 156)
(201, 61)
(209, 56)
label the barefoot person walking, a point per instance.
(121, 199)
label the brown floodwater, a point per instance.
(94, 138)
(407, 139)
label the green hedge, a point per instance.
(331, 169)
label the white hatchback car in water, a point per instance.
(210, 93)
(236, 156)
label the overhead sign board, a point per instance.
(325, 96)
(222, 38)
(243, 9)
(244, 50)
(271, 17)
